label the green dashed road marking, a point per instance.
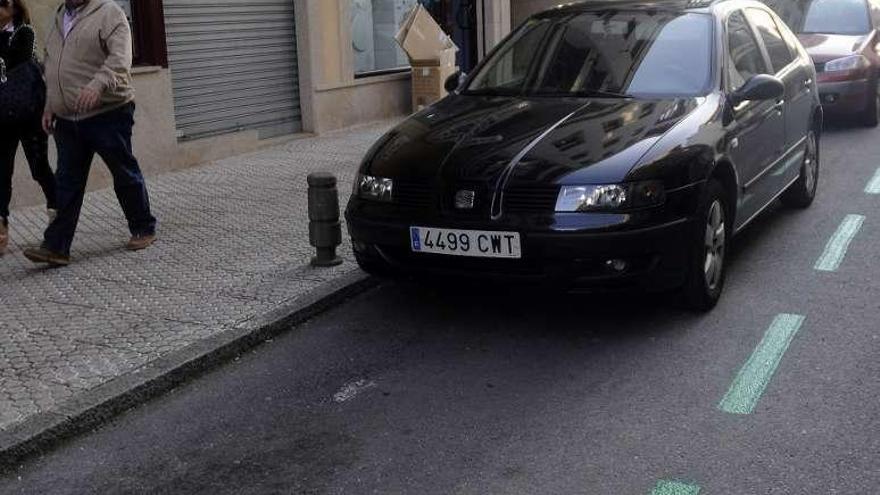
(837, 246)
(665, 487)
(874, 186)
(752, 379)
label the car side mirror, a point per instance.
(758, 88)
(454, 81)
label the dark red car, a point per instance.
(842, 38)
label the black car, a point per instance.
(601, 145)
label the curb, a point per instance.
(94, 407)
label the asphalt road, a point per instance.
(424, 390)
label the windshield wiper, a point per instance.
(600, 93)
(491, 92)
(584, 93)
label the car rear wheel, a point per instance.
(871, 116)
(707, 266)
(803, 191)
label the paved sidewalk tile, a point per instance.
(233, 246)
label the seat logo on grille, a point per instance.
(464, 199)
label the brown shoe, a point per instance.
(139, 242)
(4, 236)
(43, 255)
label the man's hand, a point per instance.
(88, 100)
(48, 122)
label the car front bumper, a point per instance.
(567, 251)
(844, 97)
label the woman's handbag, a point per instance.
(22, 92)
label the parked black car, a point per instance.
(601, 145)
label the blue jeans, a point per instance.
(109, 136)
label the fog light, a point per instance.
(617, 265)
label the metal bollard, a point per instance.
(325, 232)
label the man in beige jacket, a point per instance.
(90, 110)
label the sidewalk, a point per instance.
(233, 249)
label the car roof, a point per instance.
(704, 6)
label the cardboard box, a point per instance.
(422, 38)
(428, 83)
(431, 54)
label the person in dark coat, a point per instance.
(16, 48)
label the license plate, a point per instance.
(476, 243)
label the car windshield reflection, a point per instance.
(602, 55)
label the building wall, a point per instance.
(332, 97)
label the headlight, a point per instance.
(375, 188)
(610, 197)
(852, 62)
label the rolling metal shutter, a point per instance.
(233, 66)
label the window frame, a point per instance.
(148, 36)
(794, 56)
(727, 55)
(387, 71)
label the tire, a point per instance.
(802, 193)
(871, 117)
(707, 265)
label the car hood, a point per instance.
(825, 47)
(544, 140)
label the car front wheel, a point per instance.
(707, 266)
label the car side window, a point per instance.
(780, 55)
(790, 38)
(745, 58)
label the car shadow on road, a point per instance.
(530, 311)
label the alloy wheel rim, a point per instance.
(715, 243)
(811, 165)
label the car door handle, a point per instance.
(778, 107)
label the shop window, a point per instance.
(373, 26)
(148, 31)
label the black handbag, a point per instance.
(22, 92)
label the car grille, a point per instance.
(412, 194)
(517, 198)
(530, 198)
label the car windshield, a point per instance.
(836, 17)
(602, 54)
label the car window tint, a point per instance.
(837, 17)
(634, 52)
(745, 56)
(790, 38)
(509, 68)
(780, 55)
